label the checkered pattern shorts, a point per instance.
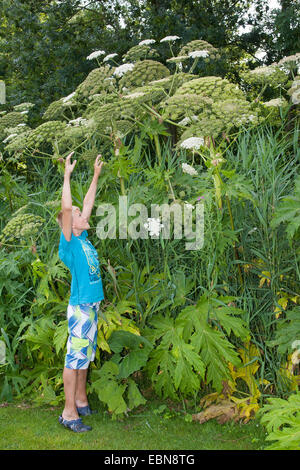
(82, 340)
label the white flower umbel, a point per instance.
(195, 54)
(153, 226)
(134, 95)
(186, 168)
(276, 102)
(145, 42)
(78, 121)
(68, 98)
(122, 69)
(179, 59)
(11, 136)
(296, 97)
(192, 143)
(95, 54)
(169, 38)
(109, 56)
(187, 120)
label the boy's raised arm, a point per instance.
(88, 202)
(66, 200)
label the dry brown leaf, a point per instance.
(223, 412)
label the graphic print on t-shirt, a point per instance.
(92, 259)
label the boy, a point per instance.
(80, 256)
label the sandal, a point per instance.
(75, 425)
(85, 410)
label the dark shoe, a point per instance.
(75, 425)
(85, 410)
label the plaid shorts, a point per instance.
(82, 340)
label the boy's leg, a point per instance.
(70, 382)
(80, 393)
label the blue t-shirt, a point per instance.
(80, 256)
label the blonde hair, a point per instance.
(60, 214)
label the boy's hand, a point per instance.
(69, 167)
(98, 165)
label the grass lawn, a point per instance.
(27, 427)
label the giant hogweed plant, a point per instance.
(112, 96)
(112, 112)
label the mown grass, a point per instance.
(27, 427)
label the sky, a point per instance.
(271, 3)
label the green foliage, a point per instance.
(288, 212)
(112, 381)
(194, 346)
(287, 331)
(155, 319)
(282, 421)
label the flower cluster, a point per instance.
(46, 133)
(118, 110)
(265, 75)
(109, 56)
(95, 54)
(221, 106)
(192, 143)
(21, 226)
(178, 59)
(289, 62)
(236, 112)
(55, 111)
(199, 45)
(142, 73)
(171, 83)
(67, 99)
(11, 120)
(77, 122)
(179, 106)
(99, 80)
(187, 120)
(122, 69)
(212, 87)
(195, 54)
(294, 91)
(23, 106)
(146, 42)
(153, 225)
(147, 93)
(140, 52)
(186, 168)
(276, 102)
(17, 143)
(169, 38)
(74, 134)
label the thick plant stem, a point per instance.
(218, 183)
(234, 245)
(157, 146)
(123, 190)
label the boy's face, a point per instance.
(79, 222)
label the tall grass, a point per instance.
(269, 158)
